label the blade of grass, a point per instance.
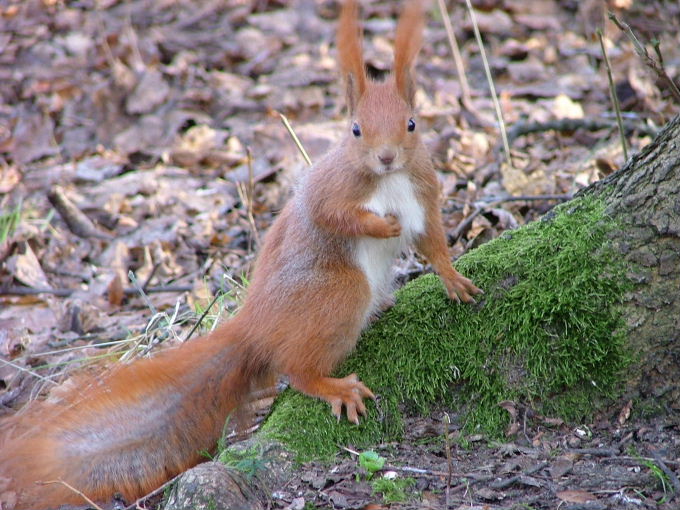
(298, 144)
(455, 50)
(492, 88)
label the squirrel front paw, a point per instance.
(384, 228)
(461, 289)
(348, 392)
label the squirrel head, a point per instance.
(382, 129)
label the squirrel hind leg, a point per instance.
(348, 392)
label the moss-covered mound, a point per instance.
(548, 332)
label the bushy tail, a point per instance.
(127, 432)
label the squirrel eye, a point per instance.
(411, 125)
(356, 130)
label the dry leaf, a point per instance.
(625, 413)
(575, 496)
(150, 92)
(560, 467)
(9, 178)
(26, 268)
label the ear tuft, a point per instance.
(350, 52)
(407, 44)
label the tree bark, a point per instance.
(644, 197)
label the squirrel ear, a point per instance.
(407, 44)
(350, 53)
(352, 93)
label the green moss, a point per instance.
(249, 461)
(547, 332)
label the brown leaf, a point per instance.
(26, 268)
(151, 91)
(9, 178)
(575, 496)
(560, 467)
(625, 413)
(115, 291)
(33, 137)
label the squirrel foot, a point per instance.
(461, 289)
(348, 392)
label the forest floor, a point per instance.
(142, 158)
(596, 467)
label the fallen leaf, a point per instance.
(150, 92)
(560, 467)
(625, 413)
(9, 178)
(26, 268)
(575, 496)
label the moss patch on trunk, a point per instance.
(548, 331)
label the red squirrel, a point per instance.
(324, 270)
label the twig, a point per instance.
(30, 372)
(71, 488)
(668, 472)
(418, 471)
(658, 68)
(31, 291)
(492, 88)
(615, 99)
(484, 205)
(76, 221)
(247, 195)
(298, 144)
(464, 225)
(146, 283)
(525, 128)
(595, 452)
(415, 470)
(160, 288)
(526, 198)
(140, 291)
(636, 460)
(503, 484)
(449, 460)
(200, 319)
(457, 58)
(151, 494)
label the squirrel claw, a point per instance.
(462, 289)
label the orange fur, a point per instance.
(321, 274)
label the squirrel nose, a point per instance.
(386, 158)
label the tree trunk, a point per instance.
(645, 198)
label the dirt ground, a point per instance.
(600, 466)
(142, 158)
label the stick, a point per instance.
(449, 460)
(457, 58)
(76, 221)
(659, 67)
(524, 128)
(200, 319)
(492, 88)
(151, 494)
(615, 99)
(30, 291)
(298, 144)
(71, 488)
(668, 472)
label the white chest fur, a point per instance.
(395, 195)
